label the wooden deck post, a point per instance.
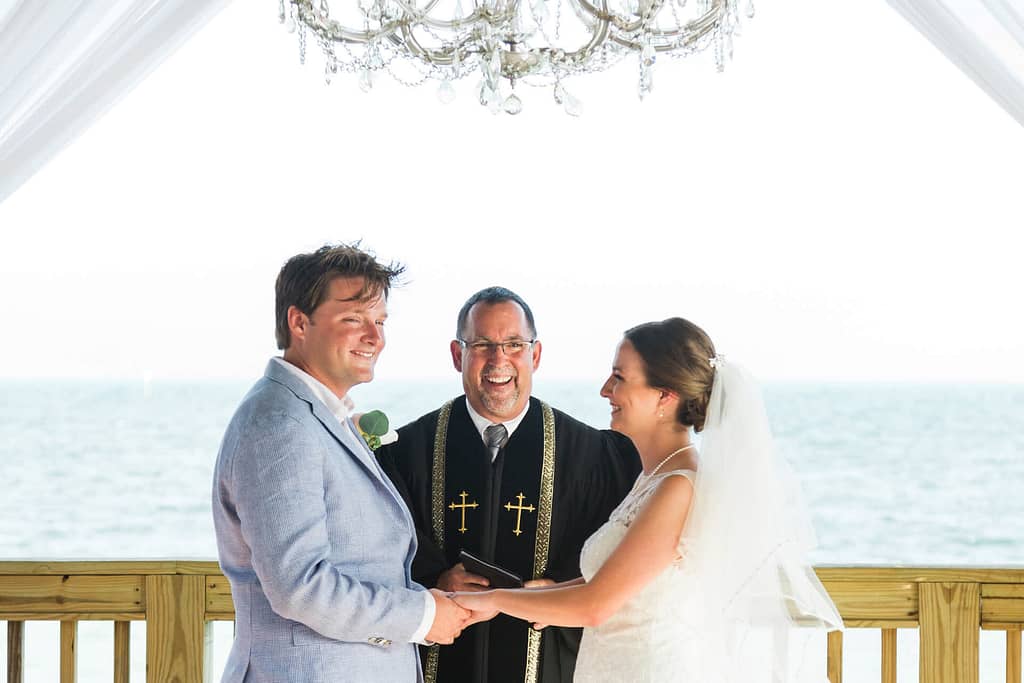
(69, 652)
(175, 628)
(835, 657)
(15, 651)
(950, 623)
(122, 651)
(888, 655)
(1013, 656)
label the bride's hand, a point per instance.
(480, 604)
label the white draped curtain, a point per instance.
(984, 38)
(63, 63)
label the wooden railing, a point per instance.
(178, 600)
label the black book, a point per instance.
(498, 576)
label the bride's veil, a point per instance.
(747, 537)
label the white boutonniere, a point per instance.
(375, 429)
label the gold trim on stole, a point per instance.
(437, 515)
(541, 547)
(541, 543)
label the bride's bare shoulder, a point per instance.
(671, 495)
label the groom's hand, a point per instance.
(458, 580)
(449, 619)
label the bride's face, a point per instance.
(635, 404)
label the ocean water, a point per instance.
(893, 474)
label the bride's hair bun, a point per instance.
(675, 354)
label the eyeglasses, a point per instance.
(513, 347)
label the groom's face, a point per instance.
(342, 339)
(497, 382)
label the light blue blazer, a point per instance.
(316, 543)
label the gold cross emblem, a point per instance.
(462, 506)
(519, 514)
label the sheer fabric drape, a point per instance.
(985, 38)
(63, 63)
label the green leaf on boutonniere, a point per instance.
(373, 425)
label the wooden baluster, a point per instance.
(835, 656)
(1013, 656)
(68, 652)
(888, 655)
(122, 651)
(950, 618)
(175, 628)
(15, 651)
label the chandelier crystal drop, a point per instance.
(507, 44)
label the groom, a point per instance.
(314, 539)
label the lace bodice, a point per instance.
(646, 639)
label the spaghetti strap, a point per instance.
(689, 474)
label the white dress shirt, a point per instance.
(342, 408)
(481, 423)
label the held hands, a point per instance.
(481, 605)
(457, 579)
(468, 594)
(449, 619)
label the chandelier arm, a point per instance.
(434, 57)
(453, 24)
(334, 31)
(604, 15)
(422, 15)
(698, 27)
(599, 33)
(688, 38)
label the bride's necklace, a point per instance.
(667, 458)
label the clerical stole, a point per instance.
(501, 511)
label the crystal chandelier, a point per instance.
(509, 43)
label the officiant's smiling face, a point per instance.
(497, 381)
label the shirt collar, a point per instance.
(341, 408)
(481, 423)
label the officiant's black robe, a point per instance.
(593, 471)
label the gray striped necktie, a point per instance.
(496, 437)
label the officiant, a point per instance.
(515, 482)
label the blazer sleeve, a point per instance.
(277, 471)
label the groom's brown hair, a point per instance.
(304, 281)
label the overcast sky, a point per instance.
(840, 204)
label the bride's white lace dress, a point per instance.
(742, 603)
(649, 639)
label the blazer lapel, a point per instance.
(347, 440)
(346, 435)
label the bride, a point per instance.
(701, 573)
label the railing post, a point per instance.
(950, 618)
(68, 652)
(1013, 656)
(122, 651)
(888, 655)
(175, 609)
(835, 657)
(15, 651)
